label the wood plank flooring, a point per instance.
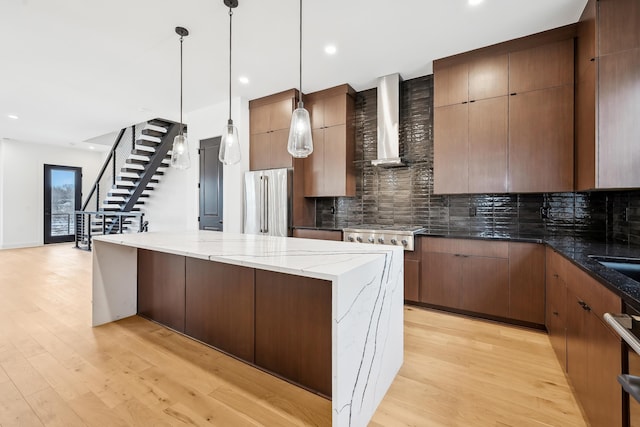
(56, 370)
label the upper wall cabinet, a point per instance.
(329, 171)
(503, 118)
(270, 119)
(608, 95)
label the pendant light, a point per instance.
(180, 152)
(300, 143)
(229, 153)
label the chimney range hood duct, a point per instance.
(388, 122)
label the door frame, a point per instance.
(47, 237)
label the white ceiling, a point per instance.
(73, 70)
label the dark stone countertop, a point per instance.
(577, 250)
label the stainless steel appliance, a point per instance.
(627, 325)
(267, 201)
(381, 235)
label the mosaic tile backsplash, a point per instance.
(404, 196)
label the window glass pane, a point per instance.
(63, 202)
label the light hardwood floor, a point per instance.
(56, 370)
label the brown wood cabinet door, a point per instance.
(314, 166)
(451, 85)
(259, 119)
(260, 151)
(587, 37)
(441, 279)
(604, 401)
(488, 121)
(304, 233)
(489, 77)
(619, 120)
(335, 162)
(585, 127)
(485, 285)
(541, 67)
(577, 346)
(556, 307)
(335, 110)
(280, 157)
(526, 282)
(293, 328)
(451, 149)
(541, 141)
(619, 22)
(316, 113)
(412, 280)
(220, 306)
(280, 114)
(161, 288)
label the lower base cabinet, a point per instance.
(293, 328)
(591, 353)
(161, 288)
(278, 322)
(220, 306)
(491, 278)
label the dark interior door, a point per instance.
(62, 197)
(210, 185)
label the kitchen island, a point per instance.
(278, 300)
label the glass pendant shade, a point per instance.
(300, 143)
(229, 145)
(180, 153)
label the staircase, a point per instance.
(128, 177)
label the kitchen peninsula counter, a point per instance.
(363, 301)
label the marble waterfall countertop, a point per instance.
(321, 259)
(367, 285)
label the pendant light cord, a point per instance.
(230, 20)
(300, 104)
(181, 126)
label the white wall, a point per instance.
(22, 186)
(174, 205)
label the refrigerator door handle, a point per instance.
(261, 203)
(266, 210)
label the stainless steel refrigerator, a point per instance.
(267, 201)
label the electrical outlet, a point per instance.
(544, 212)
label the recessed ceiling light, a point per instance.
(330, 49)
(12, 116)
(91, 147)
(244, 80)
(475, 2)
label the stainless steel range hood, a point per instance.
(388, 122)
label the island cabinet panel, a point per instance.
(220, 306)
(556, 306)
(412, 264)
(293, 328)
(526, 282)
(161, 288)
(485, 285)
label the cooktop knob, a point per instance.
(404, 242)
(380, 239)
(371, 239)
(359, 239)
(351, 239)
(394, 242)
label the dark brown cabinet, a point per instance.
(270, 119)
(503, 117)
(307, 233)
(161, 288)
(220, 306)
(591, 353)
(489, 278)
(329, 170)
(607, 93)
(412, 265)
(527, 282)
(469, 275)
(293, 328)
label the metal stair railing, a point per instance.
(84, 220)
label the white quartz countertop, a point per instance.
(321, 259)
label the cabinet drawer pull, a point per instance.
(513, 94)
(472, 101)
(584, 305)
(592, 59)
(464, 102)
(555, 275)
(555, 313)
